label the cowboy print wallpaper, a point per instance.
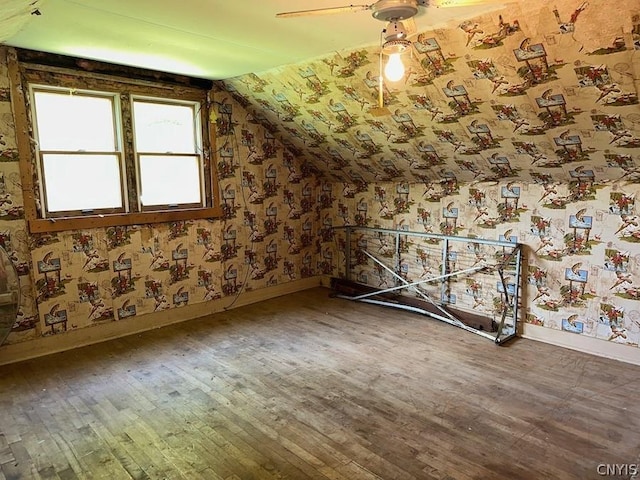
(524, 122)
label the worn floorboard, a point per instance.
(311, 387)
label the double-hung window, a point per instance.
(168, 149)
(115, 151)
(80, 161)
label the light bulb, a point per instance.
(394, 69)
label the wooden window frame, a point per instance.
(198, 132)
(23, 72)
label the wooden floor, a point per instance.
(309, 387)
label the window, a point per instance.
(113, 150)
(80, 156)
(81, 168)
(167, 144)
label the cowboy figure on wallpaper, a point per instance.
(99, 311)
(568, 27)
(621, 279)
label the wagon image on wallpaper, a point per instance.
(468, 282)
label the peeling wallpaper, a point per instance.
(536, 93)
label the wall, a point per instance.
(13, 228)
(277, 230)
(538, 93)
(590, 231)
(78, 279)
(538, 98)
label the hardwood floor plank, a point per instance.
(69, 454)
(21, 466)
(254, 430)
(121, 454)
(67, 474)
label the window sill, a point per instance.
(43, 225)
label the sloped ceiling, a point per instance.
(15, 14)
(212, 39)
(533, 93)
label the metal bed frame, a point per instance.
(494, 260)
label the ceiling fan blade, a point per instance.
(325, 11)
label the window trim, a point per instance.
(21, 73)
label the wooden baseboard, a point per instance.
(41, 346)
(582, 343)
(325, 281)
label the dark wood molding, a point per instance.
(103, 68)
(43, 225)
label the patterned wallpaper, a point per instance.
(537, 92)
(539, 101)
(78, 279)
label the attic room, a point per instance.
(185, 309)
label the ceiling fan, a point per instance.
(398, 14)
(385, 10)
(389, 10)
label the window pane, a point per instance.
(75, 122)
(169, 180)
(82, 182)
(163, 128)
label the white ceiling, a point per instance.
(214, 39)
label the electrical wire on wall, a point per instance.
(235, 147)
(380, 78)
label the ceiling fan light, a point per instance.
(389, 10)
(394, 69)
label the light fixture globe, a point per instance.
(395, 44)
